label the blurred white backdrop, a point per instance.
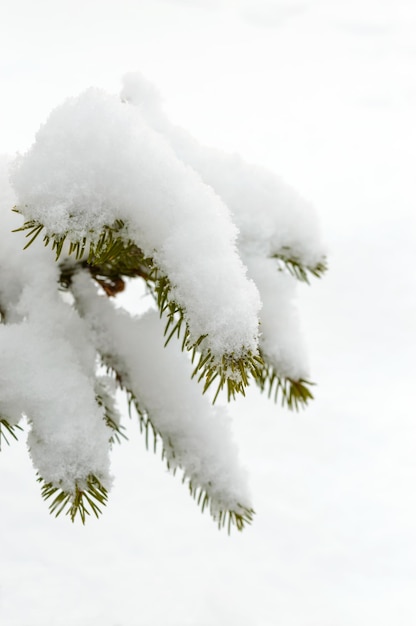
(323, 92)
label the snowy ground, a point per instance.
(324, 93)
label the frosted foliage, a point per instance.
(96, 160)
(196, 438)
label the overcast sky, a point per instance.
(324, 93)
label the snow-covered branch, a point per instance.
(115, 192)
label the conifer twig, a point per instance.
(86, 497)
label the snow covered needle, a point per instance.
(118, 192)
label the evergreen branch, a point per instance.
(296, 268)
(130, 262)
(294, 394)
(7, 429)
(86, 498)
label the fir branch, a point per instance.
(7, 429)
(86, 498)
(294, 394)
(294, 266)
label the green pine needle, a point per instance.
(231, 373)
(111, 417)
(8, 429)
(86, 498)
(111, 244)
(294, 394)
(146, 426)
(117, 429)
(224, 518)
(296, 268)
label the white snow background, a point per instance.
(323, 93)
